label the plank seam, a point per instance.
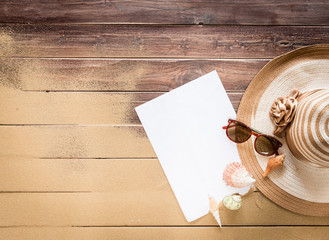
(48, 192)
(163, 226)
(142, 58)
(115, 91)
(139, 24)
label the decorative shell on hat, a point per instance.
(236, 175)
(274, 163)
(233, 202)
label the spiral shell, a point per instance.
(233, 202)
(236, 175)
(214, 210)
(274, 163)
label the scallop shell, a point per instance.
(233, 202)
(236, 175)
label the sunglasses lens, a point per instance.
(264, 146)
(238, 133)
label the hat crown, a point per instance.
(308, 134)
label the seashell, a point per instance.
(236, 175)
(274, 163)
(233, 202)
(214, 210)
(213, 204)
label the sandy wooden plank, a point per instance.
(89, 175)
(156, 41)
(226, 233)
(134, 208)
(261, 12)
(93, 108)
(75, 142)
(121, 191)
(124, 74)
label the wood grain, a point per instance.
(157, 41)
(75, 142)
(106, 181)
(84, 175)
(258, 12)
(176, 233)
(85, 108)
(127, 74)
(78, 165)
(135, 208)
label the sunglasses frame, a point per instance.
(257, 134)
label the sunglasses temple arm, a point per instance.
(256, 131)
(225, 127)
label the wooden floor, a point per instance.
(75, 162)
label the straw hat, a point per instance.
(301, 185)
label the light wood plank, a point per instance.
(156, 41)
(74, 142)
(126, 74)
(115, 186)
(261, 12)
(134, 208)
(95, 175)
(174, 233)
(76, 107)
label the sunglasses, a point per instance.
(264, 145)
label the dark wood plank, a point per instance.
(262, 12)
(125, 74)
(135, 208)
(156, 41)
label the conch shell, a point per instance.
(236, 175)
(233, 202)
(274, 163)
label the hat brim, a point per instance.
(293, 186)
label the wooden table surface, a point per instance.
(75, 162)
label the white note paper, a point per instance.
(184, 127)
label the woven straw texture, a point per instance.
(297, 186)
(308, 135)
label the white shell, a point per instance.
(214, 210)
(236, 175)
(233, 202)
